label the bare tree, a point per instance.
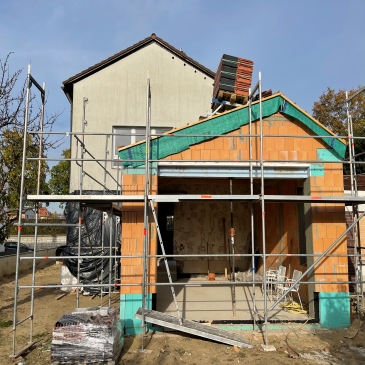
(12, 114)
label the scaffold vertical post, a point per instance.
(263, 212)
(26, 119)
(40, 155)
(145, 211)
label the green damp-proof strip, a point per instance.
(164, 146)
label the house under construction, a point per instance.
(209, 209)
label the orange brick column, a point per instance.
(132, 240)
(132, 244)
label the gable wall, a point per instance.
(117, 97)
(328, 220)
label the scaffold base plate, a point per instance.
(193, 328)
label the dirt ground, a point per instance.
(294, 343)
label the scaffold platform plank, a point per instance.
(86, 198)
(95, 199)
(194, 328)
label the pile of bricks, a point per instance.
(89, 335)
(234, 75)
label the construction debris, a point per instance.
(87, 335)
(354, 329)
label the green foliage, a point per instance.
(60, 176)
(11, 149)
(330, 110)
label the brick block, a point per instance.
(226, 143)
(126, 179)
(224, 154)
(284, 130)
(293, 156)
(205, 155)
(293, 130)
(234, 155)
(218, 143)
(269, 143)
(298, 144)
(307, 144)
(283, 155)
(279, 144)
(209, 145)
(331, 231)
(195, 155)
(215, 155)
(274, 155)
(317, 243)
(328, 180)
(288, 144)
(311, 155)
(135, 290)
(320, 230)
(186, 155)
(302, 155)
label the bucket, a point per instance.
(211, 276)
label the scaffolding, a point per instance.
(110, 204)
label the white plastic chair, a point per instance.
(280, 279)
(296, 275)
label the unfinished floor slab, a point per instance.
(214, 302)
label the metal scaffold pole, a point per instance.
(15, 319)
(266, 324)
(145, 212)
(40, 154)
(354, 208)
(232, 235)
(253, 264)
(110, 253)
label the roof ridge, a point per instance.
(152, 38)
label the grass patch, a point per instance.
(5, 324)
(40, 335)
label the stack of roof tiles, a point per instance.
(234, 74)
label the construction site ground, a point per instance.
(294, 343)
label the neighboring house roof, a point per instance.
(43, 212)
(226, 122)
(67, 88)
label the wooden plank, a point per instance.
(194, 328)
(24, 349)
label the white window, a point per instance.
(130, 135)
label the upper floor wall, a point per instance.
(116, 95)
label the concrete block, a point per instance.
(334, 309)
(268, 348)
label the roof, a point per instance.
(67, 88)
(226, 122)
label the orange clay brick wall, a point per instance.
(132, 241)
(328, 219)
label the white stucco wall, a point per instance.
(117, 97)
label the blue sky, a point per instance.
(301, 47)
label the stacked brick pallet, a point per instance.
(86, 336)
(234, 75)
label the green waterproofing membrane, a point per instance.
(164, 146)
